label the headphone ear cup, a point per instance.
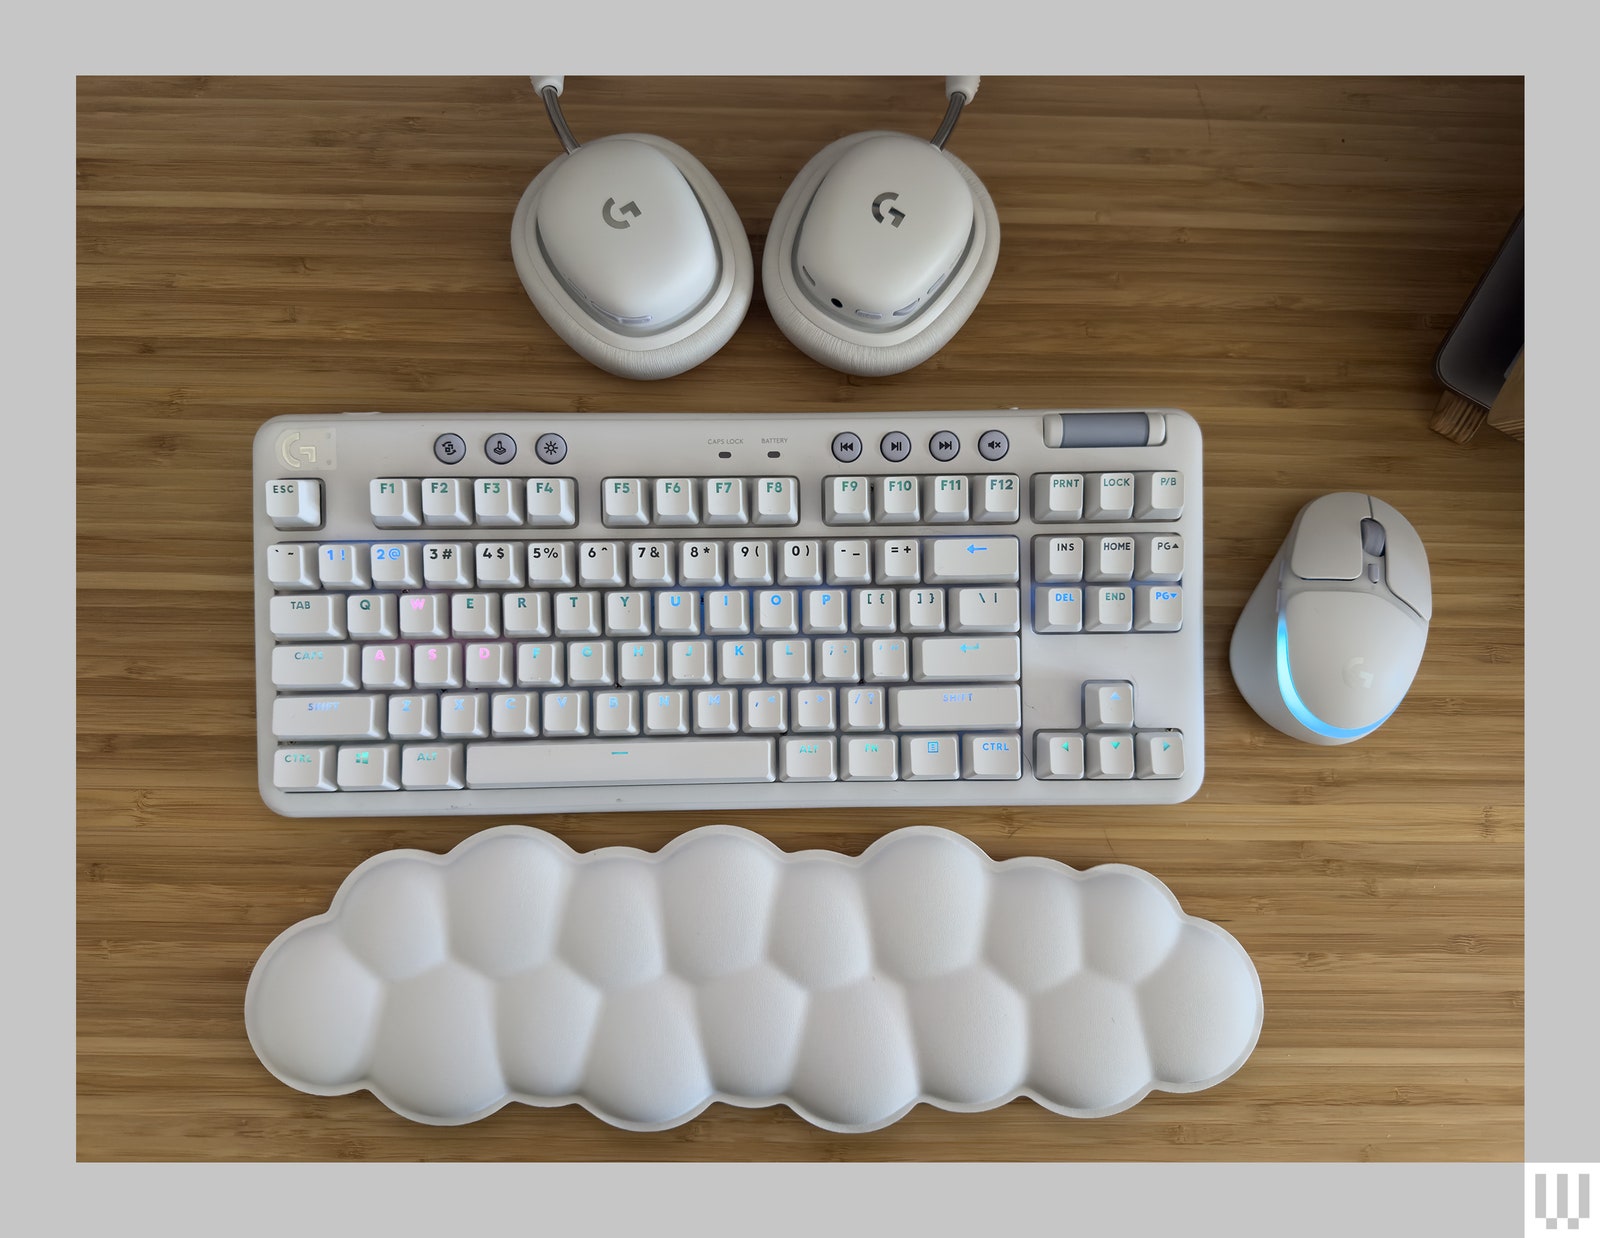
(821, 335)
(633, 354)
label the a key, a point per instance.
(898, 562)
(291, 566)
(541, 664)
(372, 616)
(837, 661)
(825, 610)
(959, 560)
(625, 502)
(898, 501)
(666, 712)
(1110, 496)
(998, 499)
(985, 610)
(873, 610)
(294, 503)
(799, 563)
(922, 610)
(347, 716)
(639, 663)
(445, 502)
(850, 562)
(1108, 705)
(552, 502)
(1058, 608)
(616, 713)
(1058, 755)
(499, 565)
(565, 712)
(576, 614)
(424, 616)
(1109, 756)
(789, 661)
(765, 710)
(489, 665)
(1158, 754)
(807, 760)
(1159, 496)
(627, 614)
(369, 767)
(602, 564)
(1157, 608)
(1158, 556)
(725, 501)
(675, 501)
(396, 565)
(1110, 558)
(991, 756)
(308, 768)
(447, 565)
(315, 667)
(946, 499)
(889, 661)
(678, 613)
(700, 564)
(777, 500)
(716, 711)
(343, 566)
(1057, 496)
(870, 760)
(395, 502)
(551, 565)
(608, 763)
(475, 614)
(650, 565)
(432, 767)
(319, 617)
(589, 663)
(386, 666)
(935, 659)
(749, 563)
(956, 707)
(846, 500)
(414, 717)
(728, 613)
(689, 662)
(864, 709)
(812, 709)
(777, 612)
(497, 501)
(1110, 609)
(930, 757)
(739, 661)
(514, 715)
(1058, 558)
(436, 665)
(464, 715)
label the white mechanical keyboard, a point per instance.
(529, 613)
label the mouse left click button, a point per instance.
(294, 503)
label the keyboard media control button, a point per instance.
(993, 445)
(895, 446)
(847, 447)
(450, 449)
(944, 446)
(551, 448)
(500, 449)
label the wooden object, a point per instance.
(1506, 414)
(1278, 256)
(1457, 418)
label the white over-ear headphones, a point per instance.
(878, 252)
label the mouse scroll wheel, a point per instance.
(1371, 536)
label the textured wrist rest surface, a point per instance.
(645, 986)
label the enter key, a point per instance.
(937, 659)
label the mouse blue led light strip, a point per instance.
(1297, 707)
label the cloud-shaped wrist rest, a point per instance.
(646, 986)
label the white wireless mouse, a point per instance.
(884, 230)
(1329, 642)
(622, 229)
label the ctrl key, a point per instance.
(303, 769)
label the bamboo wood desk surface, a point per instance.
(1281, 257)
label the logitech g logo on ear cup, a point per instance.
(627, 208)
(894, 216)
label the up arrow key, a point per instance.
(953, 561)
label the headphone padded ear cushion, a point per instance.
(610, 350)
(835, 348)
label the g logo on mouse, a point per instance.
(615, 220)
(895, 217)
(1354, 676)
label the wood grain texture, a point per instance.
(1281, 257)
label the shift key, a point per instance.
(956, 707)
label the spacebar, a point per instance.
(606, 763)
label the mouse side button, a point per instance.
(1406, 562)
(1327, 539)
